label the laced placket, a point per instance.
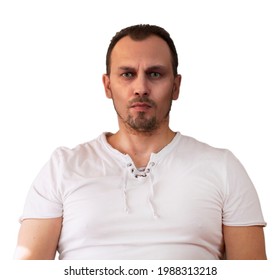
(137, 174)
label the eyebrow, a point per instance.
(126, 68)
(149, 69)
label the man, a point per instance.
(144, 192)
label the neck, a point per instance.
(139, 146)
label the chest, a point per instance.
(186, 203)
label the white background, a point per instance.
(52, 57)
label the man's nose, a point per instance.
(141, 85)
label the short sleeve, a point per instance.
(44, 199)
(241, 205)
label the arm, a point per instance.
(38, 239)
(244, 242)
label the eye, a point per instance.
(127, 75)
(155, 75)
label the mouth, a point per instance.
(141, 106)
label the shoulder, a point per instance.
(198, 149)
(81, 151)
(84, 158)
(91, 151)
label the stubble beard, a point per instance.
(141, 124)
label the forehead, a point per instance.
(151, 50)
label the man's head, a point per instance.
(142, 77)
(141, 32)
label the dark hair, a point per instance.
(140, 32)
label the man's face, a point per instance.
(141, 83)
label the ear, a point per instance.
(176, 87)
(107, 85)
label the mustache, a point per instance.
(144, 99)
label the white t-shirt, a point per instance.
(173, 209)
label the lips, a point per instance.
(140, 105)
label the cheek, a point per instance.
(119, 91)
(164, 98)
(119, 99)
